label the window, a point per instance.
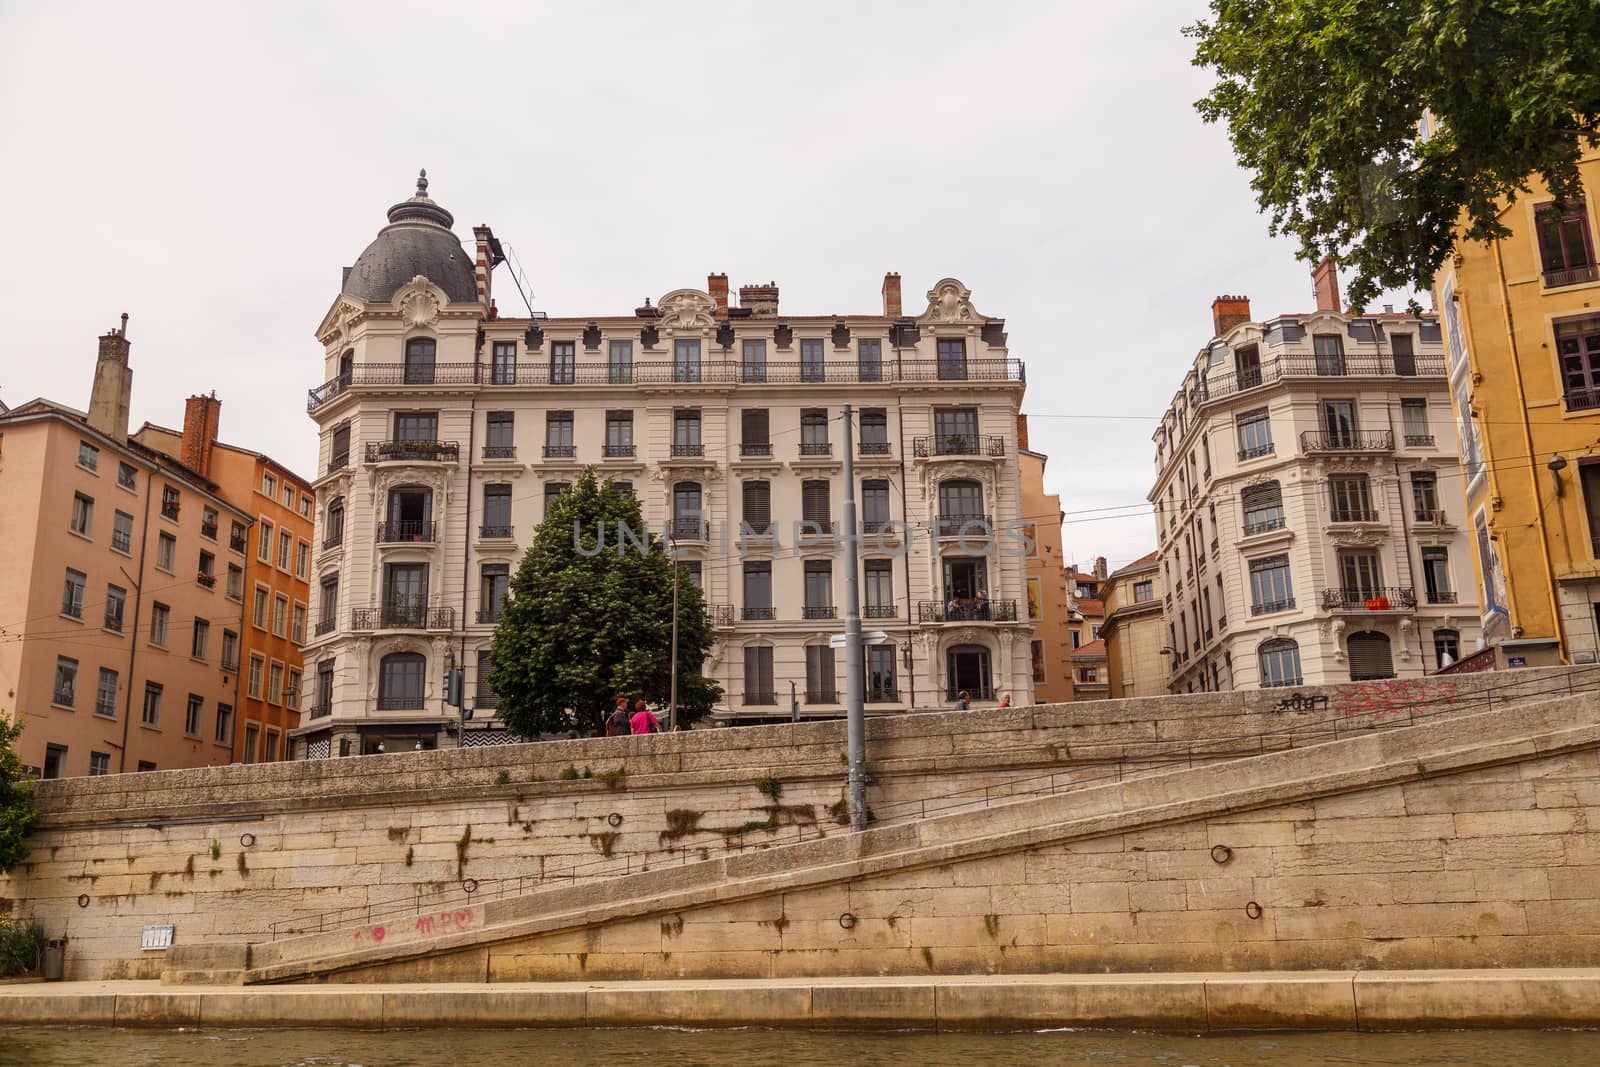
(1144, 591)
(166, 552)
(1360, 575)
(685, 360)
(687, 511)
(821, 679)
(620, 362)
(72, 594)
(252, 743)
(224, 734)
(955, 431)
(236, 538)
(324, 701)
(1263, 508)
(1436, 576)
(409, 515)
(874, 432)
(1255, 433)
(122, 532)
(258, 670)
(230, 650)
(960, 504)
(1270, 587)
(754, 366)
(814, 432)
(151, 713)
(207, 569)
(88, 456)
(879, 576)
(405, 594)
(99, 764)
(1352, 498)
(758, 675)
(235, 587)
(814, 505)
(280, 616)
(258, 617)
(1414, 423)
(273, 747)
(1589, 480)
(208, 523)
(686, 432)
(269, 485)
(200, 639)
(105, 694)
(302, 560)
(192, 714)
(1280, 663)
(563, 355)
(551, 491)
(496, 511)
(1036, 658)
(416, 426)
(812, 368)
(626, 488)
(503, 365)
(1425, 496)
(328, 607)
(159, 614)
(754, 433)
(275, 684)
(619, 433)
(1565, 248)
(952, 358)
(1370, 656)
(1339, 425)
(400, 681)
(264, 542)
(285, 549)
(339, 448)
(1402, 347)
(1578, 345)
(869, 360)
(297, 625)
(967, 671)
(758, 589)
(1035, 599)
(692, 568)
(966, 579)
(170, 501)
(558, 434)
(1329, 349)
(1446, 647)
(881, 673)
(819, 589)
(82, 514)
(66, 686)
(495, 578)
(874, 505)
(501, 442)
(757, 509)
(55, 761)
(127, 476)
(420, 352)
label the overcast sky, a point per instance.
(209, 169)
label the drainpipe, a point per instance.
(905, 557)
(133, 634)
(466, 559)
(238, 675)
(1405, 530)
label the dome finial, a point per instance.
(422, 182)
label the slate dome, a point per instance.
(417, 241)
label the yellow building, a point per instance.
(1522, 329)
(1049, 647)
(1132, 631)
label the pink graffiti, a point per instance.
(1384, 701)
(425, 925)
(377, 933)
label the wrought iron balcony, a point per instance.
(1555, 279)
(560, 451)
(758, 699)
(1430, 516)
(320, 711)
(875, 448)
(958, 444)
(499, 451)
(1583, 399)
(719, 614)
(967, 611)
(1419, 440)
(1441, 596)
(822, 696)
(880, 611)
(487, 616)
(237, 544)
(334, 538)
(689, 530)
(405, 530)
(1264, 526)
(323, 626)
(1269, 607)
(962, 525)
(1315, 441)
(811, 529)
(1353, 515)
(754, 448)
(688, 448)
(403, 613)
(208, 530)
(413, 451)
(1383, 598)
(616, 451)
(494, 532)
(750, 613)
(1311, 365)
(405, 702)
(816, 448)
(818, 611)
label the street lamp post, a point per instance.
(855, 698)
(672, 699)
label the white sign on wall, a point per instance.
(156, 938)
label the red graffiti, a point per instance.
(425, 925)
(378, 934)
(1384, 701)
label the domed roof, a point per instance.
(416, 241)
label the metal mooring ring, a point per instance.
(1253, 910)
(83, 900)
(247, 840)
(469, 886)
(847, 921)
(1221, 853)
(615, 818)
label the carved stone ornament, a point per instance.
(419, 303)
(1257, 480)
(687, 309)
(1357, 538)
(950, 301)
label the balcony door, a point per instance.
(686, 509)
(405, 593)
(1339, 423)
(1329, 349)
(420, 360)
(1360, 575)
(967, 671)
(410, 512)
(965, 580)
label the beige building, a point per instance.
(119, 646)
(1133, 632)
(1308, 502)
(446, 428)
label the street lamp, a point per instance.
(672, 699)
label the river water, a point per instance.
(75, 1047)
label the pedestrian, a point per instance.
(643, 721)
(965, 703)
(1005, 700)
(617, 722)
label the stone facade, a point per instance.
(1133, 631)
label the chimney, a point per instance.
(1022, 431)
(1325, 280)
(113, 385)
(1100, 569)
(488, 257)
(761, 301)
(201, 418)
(891, 296)
(717, 286)
(1228, 312)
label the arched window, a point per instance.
(400, 681)
(1263, 508)
(687, 512)
(1446, 647)
(1370, 656)
(1280, 663)
(419, 360)
(333, 527)
(967, 671)
(410, 514)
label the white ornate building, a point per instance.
(1308, 503)
(445, 429)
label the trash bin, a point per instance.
(55, 959)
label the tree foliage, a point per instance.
(1322, 99)
(17, 813)
(585, 624)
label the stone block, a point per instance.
(1034, 898)
(1100, 896)
(1329, 831)
(1452, 795)
(1280, 1002)
(890, 1007)
(158, 1009)
(1520, 823)
(1515, 885)
(1377, 857)
(1440, 1000)
(1107, 928)
(1317, 891)
(1503, 852)
(1157, 896)
(710, 1005)
(1433, 887)
(56, 1009)
(1210, 927)
(281, 1007)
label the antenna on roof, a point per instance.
(519, 278)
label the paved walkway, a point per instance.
(1313, 1000)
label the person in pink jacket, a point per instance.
(643, 722)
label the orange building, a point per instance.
(273, 583)
(1049, 645)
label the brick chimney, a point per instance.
(1228, 312)
(761, 301)
(891, 296)
(1100, 569)
(202, 416)
(487, 258)
(717, 286)
(1022, 431)
(113, 384)
(1325, 280)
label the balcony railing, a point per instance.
(985, 691)
(1441, 596)
(688, 448)
(758, 613)
(169, 510)
(689, 530)
(1257, 451)
(1309, 365)
(494, 532)
(1353, 515)
(969, 611)
(405, 530)
(816, 448)
(409, 702)
(880, 611)
(958, 444)
(758, 699)
(1264, 526)
(811, 529)
(1430, 516)
(1313, 441)
(403, 613)
(413, 451)
(822, 696)
(875, 448)
(753, 448)
(323, 626)
(1269, 607)
(1384, 598)
(1554, 279)
(488, 616)
(499, 451)
(1583, 399)
(879, 694)
(320, 711)
(1419, 440)
(818, 611)
(720, 614)
(959, 525)
(560, 451)
(612, 450)
(334, 538)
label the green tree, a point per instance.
(589, 620)
(17, 813)
(1322, 100)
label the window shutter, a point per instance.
(814, 501)
(754, 426)
(757, 505)
(1370, 656)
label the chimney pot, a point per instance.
(1022, 431)
(717, 286)
(1228, 312)
(112, 390)
(891, 296)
